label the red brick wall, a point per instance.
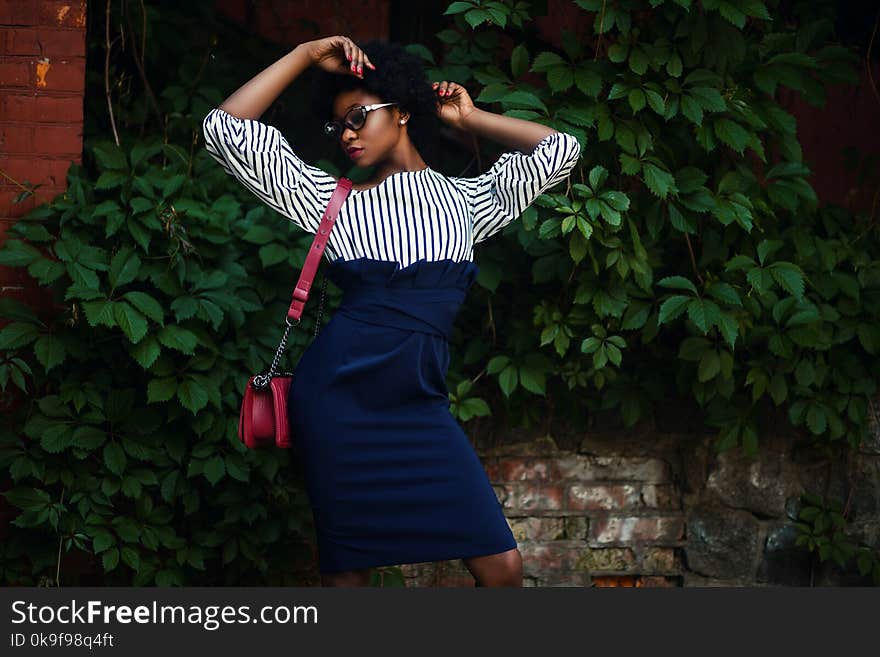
(581, 518)
(294, 22)
(656, 506)
(847, 123)
(42, 81)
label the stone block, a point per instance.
(565, 579)
(538, 529)
(760, 484)
(655, 560)
(500, 493)
(606, 560)
(871, 444)
(613, 468)
(866, 532)
(722, 543)
(647, 529)
(784, 563)
(659, 582)
(661, 496)
(540, 559)
(585, 496)
(529, 496)
(518, 469)
(576, 527)
(865, 503)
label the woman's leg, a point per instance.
(502, 569)
(347, 578)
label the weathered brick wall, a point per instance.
(42, 80)
(294, 22)
(655, 508)
(576, 514)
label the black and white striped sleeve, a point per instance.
(261, 159)
(515, 180)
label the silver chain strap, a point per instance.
(262, 380)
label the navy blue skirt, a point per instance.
(391, 476)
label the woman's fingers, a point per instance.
(357, 58)
(350, 50)
(357, 62)
(443, 88)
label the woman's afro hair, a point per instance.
(399, 76)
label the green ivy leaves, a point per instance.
(704, 313)
(609, 204)
(531, 372)
(476, 12)
(604, 348)
(788, 275)
(465, 406)
(671, 246)
(822, 529)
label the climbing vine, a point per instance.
(687, 257)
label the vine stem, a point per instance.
(868, 58)
(107, 70)
(139, 58)
(60, 543)
(693, 259)
(601, 25)
(491, 320)
(13, 180)
(871, 217)
(479, 375)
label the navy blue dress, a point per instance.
(391, 476)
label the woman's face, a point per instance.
(380, 132)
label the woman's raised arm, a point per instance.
(257, 154)
(255, 96)
(336, 54)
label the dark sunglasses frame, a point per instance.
(354, 119)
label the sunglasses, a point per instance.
(355, 119)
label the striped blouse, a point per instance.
(408, 216)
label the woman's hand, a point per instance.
(339, 54)
(454, 104)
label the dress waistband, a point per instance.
(428, 310)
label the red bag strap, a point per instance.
(313, 259)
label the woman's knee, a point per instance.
(503, 569)
(513, 568)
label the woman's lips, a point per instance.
(355, 153)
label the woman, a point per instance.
(390, 474)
